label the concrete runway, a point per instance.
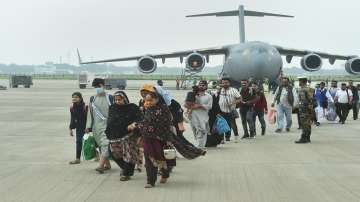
(36, 148)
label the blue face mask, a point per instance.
(99, 90)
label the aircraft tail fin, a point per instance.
(79, 57)
(241, 13)
(236, 13)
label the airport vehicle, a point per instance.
(85, 79)
(244, 60)
(18, 80)
(111, 83)
(3, 87)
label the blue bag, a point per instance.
(221, 125)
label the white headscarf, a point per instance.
(164, 94)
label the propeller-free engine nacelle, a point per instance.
(195, 62)
(311, 62)
(352, 66)
(147, 64)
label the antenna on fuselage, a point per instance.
(241, 13)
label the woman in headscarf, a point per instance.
(122, 120)
(156, 129)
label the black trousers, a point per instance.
(232, 123)
(247, 118)
(152, 171)
(298, 118)
(342, 110)
(355, 109)
(127, 168)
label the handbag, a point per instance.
(272, 116)
(221, 125)
(169, 153)
(88, 145)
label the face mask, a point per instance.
(99, 90)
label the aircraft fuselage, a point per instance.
(256, 60)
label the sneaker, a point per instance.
(148, 186)
(278, 131)
(317, 123)
(124, 178)
(245, 136)
(236, 139)
(227, 139)
(222, 142)
(77, 161)
(287, 129)
(263, 130)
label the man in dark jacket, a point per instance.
(260, 107)
(355, 101)
(248, 99)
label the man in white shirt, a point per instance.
(343, 99)
(200, 115)
(229, 97)
(285, 99)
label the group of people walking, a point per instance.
(312, 105)
(230, 103)
(129, 133)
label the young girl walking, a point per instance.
(78, 111)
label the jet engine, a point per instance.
(147, 64)
(195, 62)
(352, 66)
(311, 62)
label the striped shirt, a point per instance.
(227, 100)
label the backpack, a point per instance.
(110, 100)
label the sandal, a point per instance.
(163, 180)
(77, 161)
(100, 170)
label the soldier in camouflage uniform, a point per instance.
(305, 110)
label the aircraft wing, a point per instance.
(206, 51)
(296, 52)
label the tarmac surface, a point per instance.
(36, 148)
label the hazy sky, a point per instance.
(36, 31)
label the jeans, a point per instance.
(247, 118)
(79, 138)
(281, 112)
(260, 114)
